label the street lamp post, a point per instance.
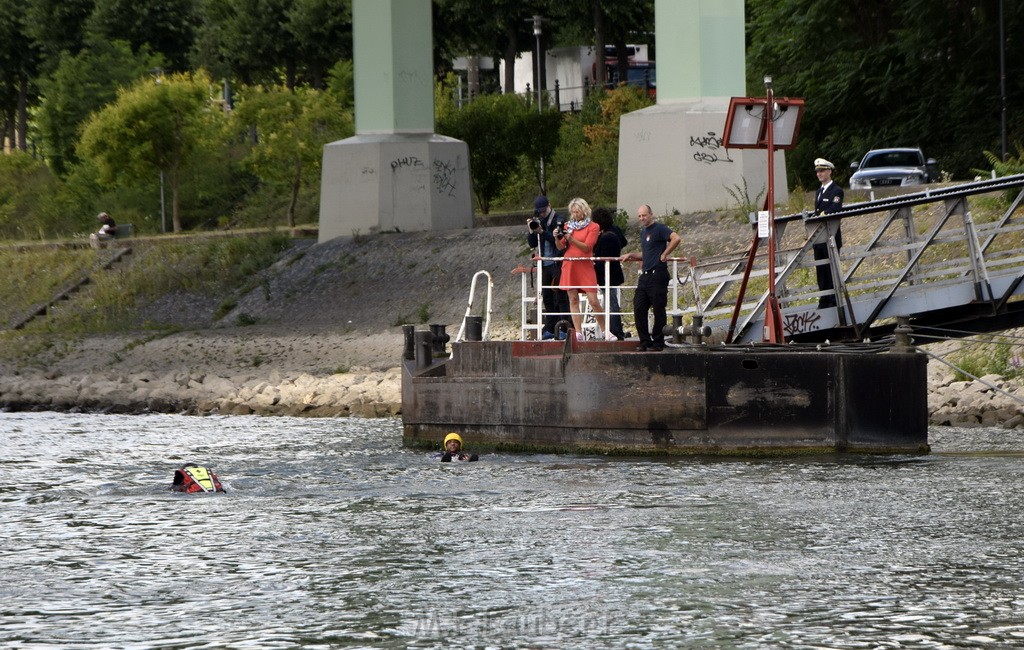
(537, 20)
(1002, 81)
(536, 33)
(158, 74)
(163, 205)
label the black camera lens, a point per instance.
(534, 223)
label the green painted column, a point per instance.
(701, 49)
(394, 73)
(671, 156)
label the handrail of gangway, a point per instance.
(916, 198)
(469, 308)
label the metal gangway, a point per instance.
(923, 256)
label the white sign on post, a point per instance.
(762, 223)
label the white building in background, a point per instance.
(574, 69)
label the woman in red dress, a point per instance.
(578, 274)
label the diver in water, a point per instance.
(193, 478)
(453, 450)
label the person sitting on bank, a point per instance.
(192, 478)
(453, 450)
(107, 231)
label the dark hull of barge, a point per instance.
(601, 397)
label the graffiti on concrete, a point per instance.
(445, 178)
(709, 149)
(406, 161)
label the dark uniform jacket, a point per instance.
(829, 200)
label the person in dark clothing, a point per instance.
(453, 450)
(107, 231)
(657, 241)
(609, 244)
(828, 199)
(543, 226)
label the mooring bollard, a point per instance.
(696, 330)
(409, 351)
(699, 330)
(474, 328)
(677, 328)
(424, 342)
(440, 339)
(903, 343)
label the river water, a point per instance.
(332, 534)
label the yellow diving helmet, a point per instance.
(452, 436)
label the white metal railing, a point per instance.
(532, 296)
(469, 307)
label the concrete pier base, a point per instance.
(387, 182)
(671, 157)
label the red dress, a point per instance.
(580, 273)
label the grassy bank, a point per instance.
(212, 266)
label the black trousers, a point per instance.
(554, 300)
(651, 293)
(824, 272)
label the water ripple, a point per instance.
(332, 534)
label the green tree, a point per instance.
(57, 26)
(540, 136)
(23, 180)
(498, 28)
(247, 39)
(497, 129)
(878, 73)
(151, 128)
(165, 26)
(586, 163)
(19, 60)
(290, 42)
(322, 31)
(341, 84)
(292, 128)
(79, 85)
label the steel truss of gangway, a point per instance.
(924, 256)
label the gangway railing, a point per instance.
(926, 256)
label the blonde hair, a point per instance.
(582, 205)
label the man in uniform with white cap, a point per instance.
(828, 199)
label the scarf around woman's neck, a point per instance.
(573, 226)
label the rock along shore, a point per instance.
(359, 392)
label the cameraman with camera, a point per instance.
(543, 226)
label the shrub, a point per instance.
(501, 131)
(988, 355)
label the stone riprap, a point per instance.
(359, 392)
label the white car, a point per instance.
(903, 167)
